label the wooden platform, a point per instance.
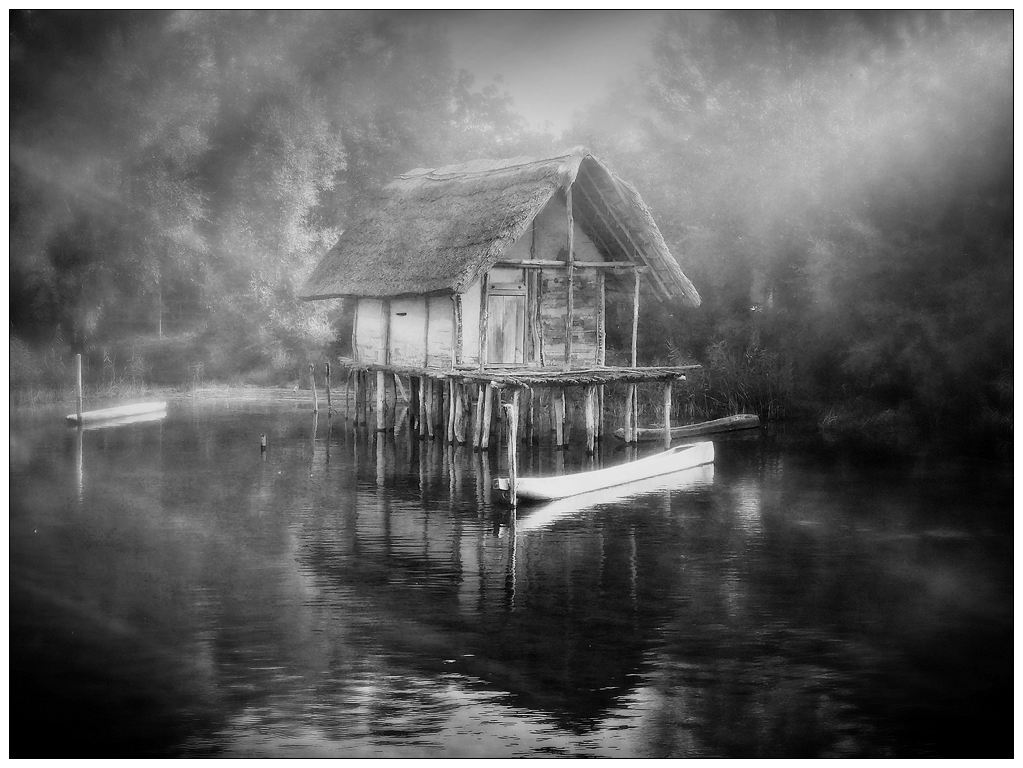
(532, 377)
(458, 403)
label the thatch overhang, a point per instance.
(435, 231)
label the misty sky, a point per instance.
(552, 62)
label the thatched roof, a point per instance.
(436, 231)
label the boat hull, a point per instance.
(727, 424)
(117, 412)
(564, 486)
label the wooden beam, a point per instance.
(601, 352)
(570, 280)
(484, 317)
(456, 329)
(636, 250)
(355, 328)
(635, 319)
(554, 264)
(385, 307)
(426, 334)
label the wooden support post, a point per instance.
(348, 395)
(312, 384)
(559, 417)
(381, 404)
(635, 319)
(356, 397)
(428, 405)
(591, 427)
(477, 431)
(413, 402)
(460, 413)
(516, 400)
(529, 417)
(330, 406)
(630, 401)
(667, 414)
(511, 413)
(570, 281)
(78, 388)
(365, 398)
(488, 415)
(484, 318)
(392, 407)
(451, 411)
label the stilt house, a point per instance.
(496, 263)
(492, 276)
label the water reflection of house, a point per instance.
(470, 273)
(560, 622)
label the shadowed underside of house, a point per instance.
(495, 274)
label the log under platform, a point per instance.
(461, 405)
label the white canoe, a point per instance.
(563, 486)
(542, 516)
(117, 412)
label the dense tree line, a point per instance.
(196, 164)
(838, 185)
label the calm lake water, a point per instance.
(174, 592)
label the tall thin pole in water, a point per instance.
(78, 387)
(511, 411)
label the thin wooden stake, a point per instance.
(78, 387)
(511, 414)
(330, 406)
(312, 383)
(381, 397)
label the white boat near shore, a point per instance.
(564, 486)
(542, 516)
(117, 412)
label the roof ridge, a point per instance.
(437, 174)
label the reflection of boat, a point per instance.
(563, 486)
(117, 412)
(546, 515)
(727, 424)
